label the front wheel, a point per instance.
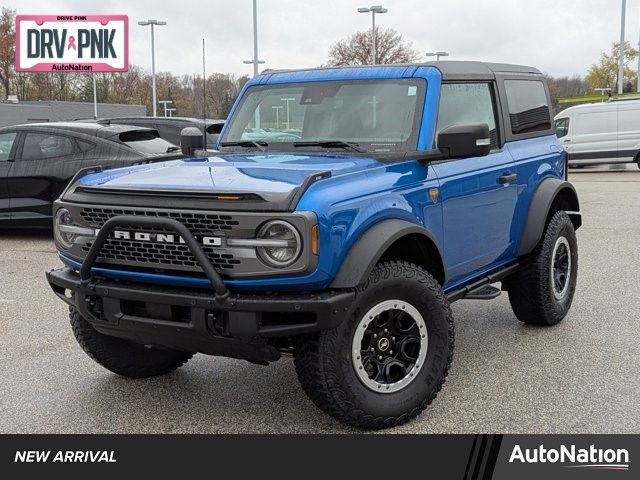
(122, 356)
(388, 360)
(541, 291)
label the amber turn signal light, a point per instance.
(315, 241)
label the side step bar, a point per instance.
(476, 290)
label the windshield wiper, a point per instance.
(260, 145)
(331, 144)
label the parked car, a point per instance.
(598, 133)
(409, 187)
(38, 160)
(170, 127)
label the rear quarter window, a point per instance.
(147, 141)
(528, 106)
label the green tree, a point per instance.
(604, 74)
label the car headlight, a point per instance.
(64, 238)
(66, 230)
(281, 243)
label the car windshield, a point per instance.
(371, 115)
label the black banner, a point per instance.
(466, 457)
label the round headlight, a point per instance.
(62, 219)
(282, 243)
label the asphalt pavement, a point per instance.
(581, 376)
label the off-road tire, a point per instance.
(324, 364)
(531, 292)
(122, 357)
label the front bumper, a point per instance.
(197, 320)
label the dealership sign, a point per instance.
(72, 43)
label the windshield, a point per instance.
(373, 115)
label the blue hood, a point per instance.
(264, 174)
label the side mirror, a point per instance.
(465, 140)
(191, 140)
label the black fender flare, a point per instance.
(543, 198)
(369, 248)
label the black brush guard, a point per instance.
(217, 323)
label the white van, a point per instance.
(597, 133)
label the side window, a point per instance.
(39, 146)
(562, 127)
(6, 143)
(467, 103)
(85, 146)
(528, 106)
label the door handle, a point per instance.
(568, 140)
(507, 178)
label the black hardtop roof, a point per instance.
(449, 68)
(477, 68)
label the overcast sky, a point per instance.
(558, 37)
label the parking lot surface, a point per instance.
(578, 377)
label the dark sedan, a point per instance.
(38, 160)
(171, 127)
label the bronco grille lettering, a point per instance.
(162, 238)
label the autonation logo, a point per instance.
(574, 457)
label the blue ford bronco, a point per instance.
(342, 212)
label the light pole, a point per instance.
(621, 52)
(638, 84)
(288, 118)
(153, 23)
(277, 108)
(95, 97)
(170, 110)
(373, 9)
(164, 104)
(437, 55)
(255, 60)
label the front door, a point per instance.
(7, 151)
(35, 179)
(478, 194)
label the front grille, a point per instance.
(159, 255)
(197, 223)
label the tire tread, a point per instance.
(317, 373)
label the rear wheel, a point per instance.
(387, 361)
(122, 356)
(541, 291)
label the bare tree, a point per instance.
(356, 49)
(565, 87)
(7, 48)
